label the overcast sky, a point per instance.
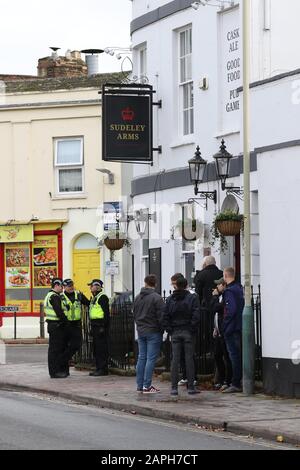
(29, 27)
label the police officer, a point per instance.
(72, 302)
(99, 318)
(57, 323)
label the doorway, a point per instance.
(86, 262)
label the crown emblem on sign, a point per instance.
(127, 114)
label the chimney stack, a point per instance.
(68, 66)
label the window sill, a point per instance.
(183, 142)
(62, 197)
(220, 134)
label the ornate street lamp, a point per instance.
(197, 167)
(123, 222)
(141, 220)
(222, 160)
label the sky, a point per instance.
(30, 27)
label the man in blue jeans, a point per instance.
(147, 311)
(233, 298)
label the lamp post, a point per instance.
(248, 315)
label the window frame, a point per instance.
(186, 84)
(69, 166)
(142, 51)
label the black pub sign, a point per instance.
(127, 123)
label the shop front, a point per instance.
(30, 256)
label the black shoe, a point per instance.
(99, 373)
(59, 375)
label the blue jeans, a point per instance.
(149, 349)
(234, 348)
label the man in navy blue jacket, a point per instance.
(233, 298)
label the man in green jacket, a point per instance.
(72, 305)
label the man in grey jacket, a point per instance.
(147, 311)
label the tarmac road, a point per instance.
(34, 422)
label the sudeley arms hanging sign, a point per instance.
(127, 123)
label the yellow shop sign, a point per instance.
(16, 233)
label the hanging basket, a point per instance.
(114, 244)
(229, 228)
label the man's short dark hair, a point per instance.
(230, 272)
(176, 276)
(181, 283)
(151, 280)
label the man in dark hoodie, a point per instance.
(181, 318)
(233, 298)
(147, 311)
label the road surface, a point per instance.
(33, 422)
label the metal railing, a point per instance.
(204, 349)
(123, 347)
(121, 338)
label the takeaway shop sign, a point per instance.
(127, 123)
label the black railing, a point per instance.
(85, 355)
(123, 347)
(121, 337)
(204, 350)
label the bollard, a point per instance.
(42, 321)
(15, 325)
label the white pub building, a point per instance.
(192, 55)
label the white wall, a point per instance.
(279, 176)
(27, 327)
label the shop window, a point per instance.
(28, 270)
(69, 165)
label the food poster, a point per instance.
(44, 265)
(18, 276)
(44, 260)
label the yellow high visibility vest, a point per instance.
(96, 312)
(48, 308)
(73, 313)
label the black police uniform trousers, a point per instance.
(57, 342)
(72, 342)
(100, 345)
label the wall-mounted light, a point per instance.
(111, 176)
(223, 159)
(197, 167)
(141, 220)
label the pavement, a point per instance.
(258, 416)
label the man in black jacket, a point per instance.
(99, 318)
(181, 318)
(72, 304)
(222, 359)
(204, 280)
(57, 325)
(147, 311)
